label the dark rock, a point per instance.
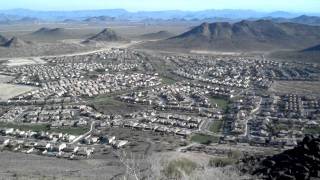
(269, 163)
(305, 147)
(286, 177)
(302, 162)
(302, 176)
(307, 140)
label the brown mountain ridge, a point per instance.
(244, 35)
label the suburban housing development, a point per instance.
(115, 94)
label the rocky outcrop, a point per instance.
(15, 42)
(107, 35)
(3, 40)
(300, 163)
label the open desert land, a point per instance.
(215, 52)
(23, 61)
(296, 87)
(82, 31)
(5, 79)
(18, 166)
(11, 90)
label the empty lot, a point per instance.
(297, 87)
(8, 91)
(25, 166)
(5, 79)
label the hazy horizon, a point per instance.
(297, 6)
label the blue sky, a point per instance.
(148, 5)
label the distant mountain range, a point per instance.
(10, 19)
(50, 32)
(99, 19)
(303, 19)
(123, 14)
(244, 35)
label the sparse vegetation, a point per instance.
(109, 104)
(177, 168)
(221, 162)
(221, 102)
(27, 127)
(71, 130)
(231, 159)
(168, 80)
(46, 128)
(105, 100)
(216, 126)
(100, 70)
(235, 154)
(314, 130)
(204, 139)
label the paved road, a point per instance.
(85, 134)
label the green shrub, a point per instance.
(232, 157)
(216, 126)
(204, 139)
(221, 162)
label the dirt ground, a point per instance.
(8, 91)
(297, 87)
(146, 142)
(82, 30)
(25, 166)
(24, 61)
(5, 79)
